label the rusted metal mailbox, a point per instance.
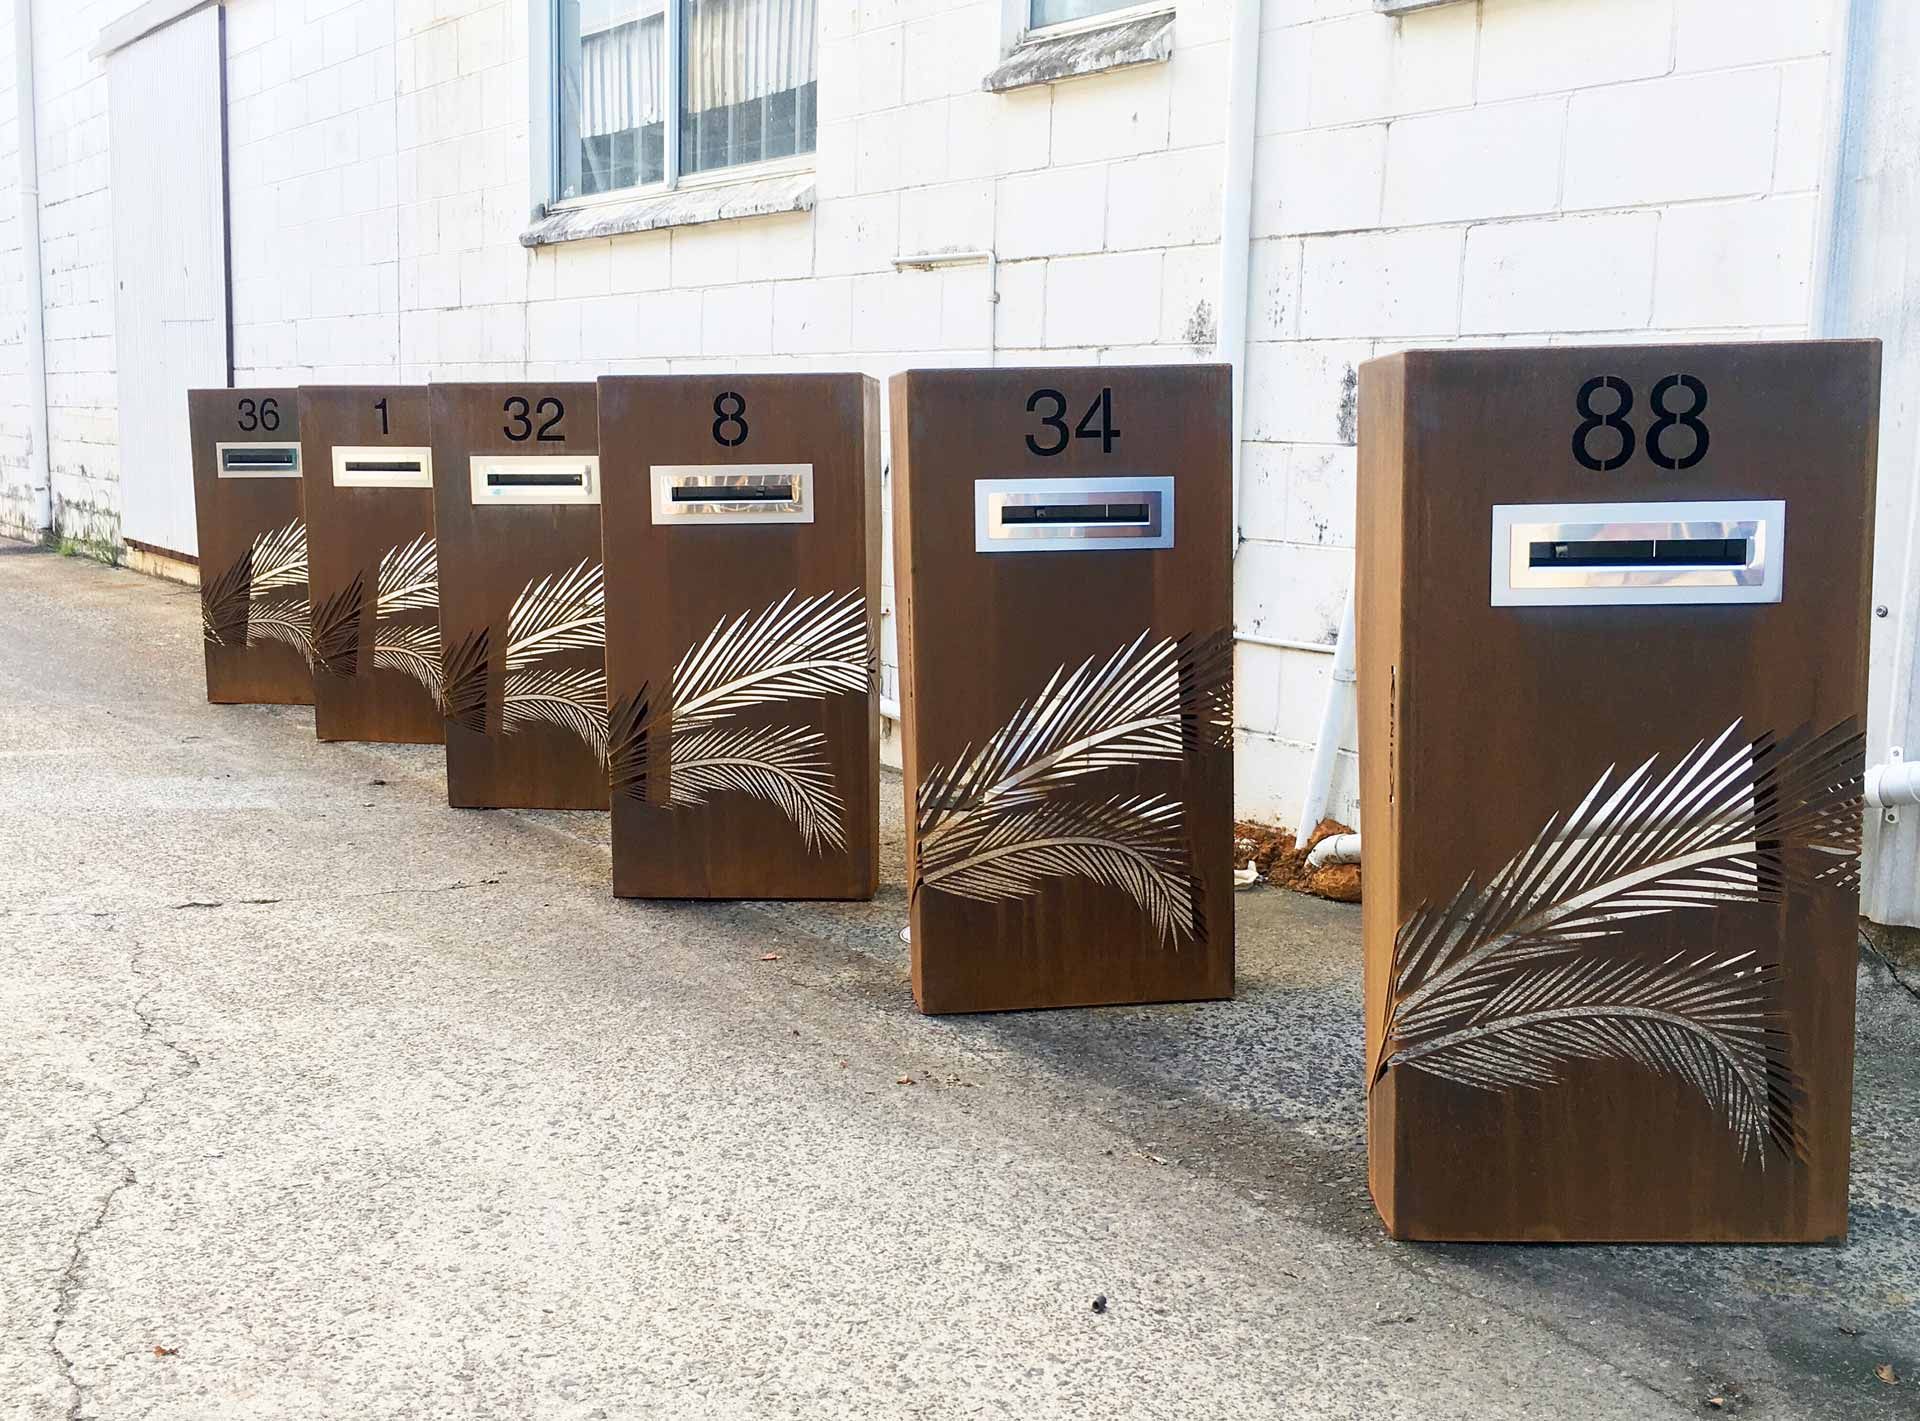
(253, 546)
(516, 483)
(373, 571)
(1612, 622)
(742, 530)
(1062, 564)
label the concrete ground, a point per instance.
(323, 1100)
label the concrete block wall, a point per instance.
(1491, 171)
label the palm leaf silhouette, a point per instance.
(285, 620)
(629, 730)
(1704, 1021)
(1731, 821)
(785, 765)
(1133, 843)
(280, 558)
(223, 603)
(409, 578)
(411, 649)
(573, 697)
(336, 630)
(794, 650)
(1149, 701)
(561, 612)
(463, 683)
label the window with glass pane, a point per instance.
(1058, 12)
(613, 101)
(747, 83)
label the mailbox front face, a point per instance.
(742, 527)
(1612, 639)
(516, 485)
(374, 576)
(253, 546)
(1062, 562)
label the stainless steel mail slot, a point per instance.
(1637, 554)
(732, 493)
(1111, 514)
(258, 461)
(382, 466)
(535, 478)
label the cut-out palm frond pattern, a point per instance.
(223, 603)
(285, 620)
(336, 630)
(564, 612)
(999, 822)
(573, 697)
(413, 649)
(280, 558)
(784, 765)
(794, 650)
(1705, 1021)
(798, 649)
(1135, 844)
(229, 604)
(1732, 820)
(463, 683)
(409, 578)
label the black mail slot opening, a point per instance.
(383, 466)
(1640, 552)
(733, 493)
(497, 479)
(1045, 513)
(259, 458)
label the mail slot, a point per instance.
(1065, 683)
(251, 526)
(259, 461)
(521, 606)
(375, 588)
(742, 532)
(1611, 632)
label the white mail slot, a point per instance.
(535, 478)
(257, 461)
(382, 466)
(732, 493)
(1638, 554)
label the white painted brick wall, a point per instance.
(1491, 170)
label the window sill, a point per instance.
(1045, 59)
(683, 207)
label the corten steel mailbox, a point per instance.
(1612, 646)
(253, 546)
(373, 574)
(742, 528)
(516, 484)
(1062, 562)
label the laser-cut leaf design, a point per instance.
(573, 697)
(1149, 701)
(336, 630)
(794, 650)
(1133, 843)
(413, 649)
(785, 765)
(629, 734)
(463, 682)
(409, 578)
(280, 558)
(1705, 1021)
(284, 620)
(562, 612)
(223, 603)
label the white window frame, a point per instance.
(543, 52)
(1017, 20)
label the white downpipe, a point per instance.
(1894, 783)
(1335, 848)
(1335, 715)
(39, 465)
(1236, 218)
(890, 710)
(1320, 648)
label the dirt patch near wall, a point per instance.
(1284, 864)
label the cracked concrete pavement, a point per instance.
(359, 1106)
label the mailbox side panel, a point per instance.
(1651, 1039)
(253, 552)
(1054, 868)
(742, 656)
(373, 571)
(512, 743)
